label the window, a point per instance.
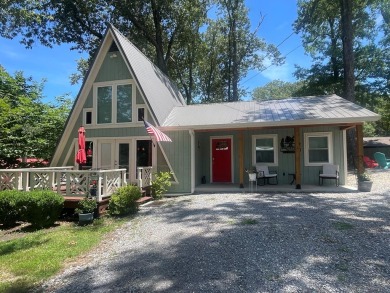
(141, 114)
(124, 103)
(104, 104)
(265, 149)
(87, 116)
(318, 148)
(114, 102)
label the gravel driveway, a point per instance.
(244, 243)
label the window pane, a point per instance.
(318, 142)
(318, 149)
(124, 103)
(265, 150)
(124, 159)
(141, 114)
(318, 156)
(88, 117)
(104, 104)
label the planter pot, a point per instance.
(364, 186)
(85, 219)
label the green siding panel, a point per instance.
(178, 153)
(139, 99)
(113, 69)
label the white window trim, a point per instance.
(276, 149)
(330, 147)
(85, 110)
(114, 85)
(145, 113)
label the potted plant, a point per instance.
(364, 182)
(86, 208)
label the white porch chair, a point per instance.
(264, 174)
(329, 171)
(252, 180)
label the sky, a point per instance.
(55, 65)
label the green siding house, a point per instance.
(211, 143)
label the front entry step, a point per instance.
(144, 200)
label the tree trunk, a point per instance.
(348, 55)
(160, 57)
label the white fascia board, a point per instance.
(293, 123)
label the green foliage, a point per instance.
(42, 207)
(11, 207)
(231, 49)
(206, 46)
(277, 89)
(86, 205)
(123, 201)
(321, 26)
(369, 129)
(161, 183)
(29, 128)
(364, 177)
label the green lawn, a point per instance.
(33, 258)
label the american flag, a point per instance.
(159, 135)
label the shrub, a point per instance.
(86, 205)
(160, 184)
(43, 207)
(364, 177)
(124, 201)
(11, 207)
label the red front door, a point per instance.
(222, 159)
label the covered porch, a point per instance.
(292, 164)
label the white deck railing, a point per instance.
(65, 180)
(144, 177)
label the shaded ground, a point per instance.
(244, 243)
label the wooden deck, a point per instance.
(75, 185)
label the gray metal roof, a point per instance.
(161, 93)
(292, 111)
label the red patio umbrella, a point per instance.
(81, 157)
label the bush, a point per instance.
(160, 184)
(43, 207)
(86, 205)
(123, 201)
(11, 207)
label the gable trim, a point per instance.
(82, 95)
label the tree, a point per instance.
(278, 89)
(331, 32)
(349, 47)
(158, 28)
(172, 33)
(347, 35)
(232, 49)
(29, 128)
